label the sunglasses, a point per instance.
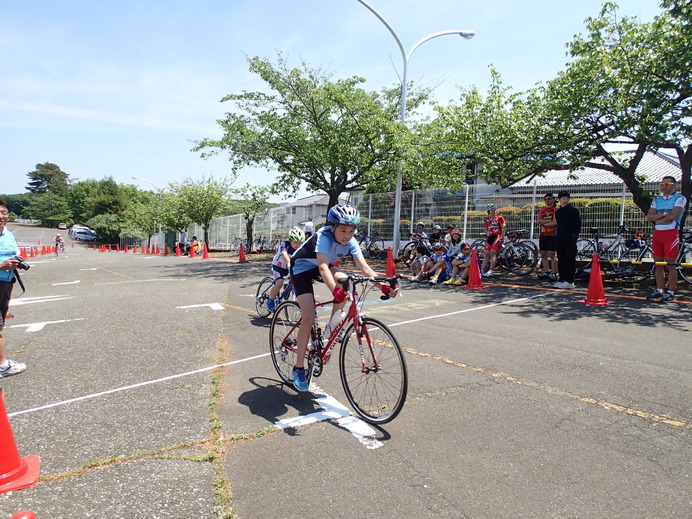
(666, 184)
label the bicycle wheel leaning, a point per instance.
(407, 253)
(521, 259)
(262, 296)
(685, 257)
(283, 339)
(376, 381)
(585, 249)
(376, 249)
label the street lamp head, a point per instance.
(467, 34)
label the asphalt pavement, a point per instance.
(522, 402)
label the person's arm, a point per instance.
(669, 216)
(325, 272)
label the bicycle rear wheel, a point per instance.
(262, 296)
(522, 259)
(376, 249)
(585, 249)
(283, 339)
(407, 253)
(685, 256)
(376, 382)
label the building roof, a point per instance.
(654, 166)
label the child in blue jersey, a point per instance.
(460, 263)
(313, 260)
(282, 261)
(442, 265)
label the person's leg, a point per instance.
(278, 283)
(571, 260)
(7, 367)
(561, 250)
(544, 262)
(553, 262)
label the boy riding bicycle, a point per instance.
(281, 262)
(313, 260)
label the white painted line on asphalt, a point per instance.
(332, 408)
(439, 316)
(32, 300)
(75, 282)
(37, 327)
(134, 386)
(138, 281)
(94, 268)
(213, 306)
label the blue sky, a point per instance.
(122, 88)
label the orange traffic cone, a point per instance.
(595, 295)
(23, 514)
(109, 248)
(15, 472)
(241, 255)
(391, 268)
(475, 282)
(177, 249)
(158, 250)
(117, 247)
(134, 249)
(73, 245)
(192, 251)
(165, 249)
(125, 249)
(205, 254)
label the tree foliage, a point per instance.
(48, 178)
(331, 136)
(203, 200)
(627, 83)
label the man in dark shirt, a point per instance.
(568, 227)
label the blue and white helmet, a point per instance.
(344, 214)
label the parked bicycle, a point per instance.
(371, 361)
(637, 263)
(519, 256)
(371, 245)
(408, 253)
(586, 247)
(263, 290)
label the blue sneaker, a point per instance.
(271, 305)
(299, 380)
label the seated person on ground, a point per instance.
(461, 263)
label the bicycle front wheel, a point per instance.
(283, 339)
(373, 372)
(262, 296)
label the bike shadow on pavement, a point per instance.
(274, 400)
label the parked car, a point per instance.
(62, 226)
(84, 236)
(78, 227)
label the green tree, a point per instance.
(253, 205)
(203, 200)
(48, 177)
(48, 208)
(628, 83)
(330, 136)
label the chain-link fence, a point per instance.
(606, 207)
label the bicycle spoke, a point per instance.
(373, 372)
(283, 339)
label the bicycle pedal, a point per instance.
(316, 364)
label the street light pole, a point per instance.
(466, 34)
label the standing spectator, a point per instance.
(8, 266)
(496, 227)
(568, 226)
(546, 240)
(666, 213)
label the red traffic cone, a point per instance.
(475, 282)
(117, 247)
(125, 248)
(165, 249)
(73, 245)
(192, 251)
(241, 255)
(158, 250)
(15, 472)
(205, 254)
(134, 249)
(391, 268)
(177, 249)
(109, 248)
(595, 295)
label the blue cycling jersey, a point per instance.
(305, 258)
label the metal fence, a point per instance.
(605, 207)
